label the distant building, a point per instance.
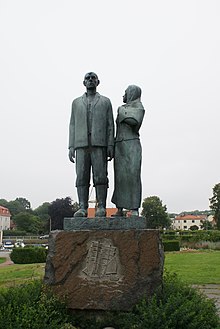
(5, 217)
(184, 222)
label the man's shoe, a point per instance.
(81, 213)
(100, 212)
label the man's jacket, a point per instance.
(102, 123)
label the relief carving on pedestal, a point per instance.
(102, 261)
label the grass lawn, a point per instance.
(2, 260)
(18, 273)
(199, 267)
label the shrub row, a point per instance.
(201, 245)
(28, 255)
(193, 236)
(14, 233)
(171, 245)
(170, 237)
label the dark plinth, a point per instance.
(104, 269)
(105, 223)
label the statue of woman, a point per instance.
(127, 160)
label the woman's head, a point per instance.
(132, 93)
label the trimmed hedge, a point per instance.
(212, 236)
(169, 232)
(170, 237)
(28, 255)
(171, 245)
(14, 233)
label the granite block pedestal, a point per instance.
(104, 263)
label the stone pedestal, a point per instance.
(99, 265)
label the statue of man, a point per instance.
(91, 144)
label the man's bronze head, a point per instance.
(91, 80)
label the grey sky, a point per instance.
(171, 49)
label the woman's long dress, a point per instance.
(128, 156)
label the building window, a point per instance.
(184, 221)
(185, 227)
(193, 221)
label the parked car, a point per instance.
(44, 236)
(19, 243)
(8, 245)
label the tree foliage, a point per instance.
(40, 220)
(215, 204)
(28, 222)
(59, 209)
(16, 206)
(206, 225)
(42, 211)
(155, 213)
(24, 203)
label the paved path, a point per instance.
(5, 254)
(212, 291)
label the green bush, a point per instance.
(169, 237)
(13, 233)
(169, 232)
(171, 245)
(28, 255)
(174, 305)
(196, 236)
(186, 238)
(31, 307)
(201, 245)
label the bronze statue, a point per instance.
(127, 159)
(91, 143)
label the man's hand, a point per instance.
(110, 152)
(72, 154)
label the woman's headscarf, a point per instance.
(133, 93)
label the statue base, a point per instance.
(104, 263)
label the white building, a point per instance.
(184, 222)
(5, 217)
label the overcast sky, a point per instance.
(171, 49)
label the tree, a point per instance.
(43, 212)
(206, 225)
(4, 203)
(59, 209)
(28, 222)
(16, 206)
(155, 213)
(24, 203)
(215, 204)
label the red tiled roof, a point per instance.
(191, 217)
(4, 212)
